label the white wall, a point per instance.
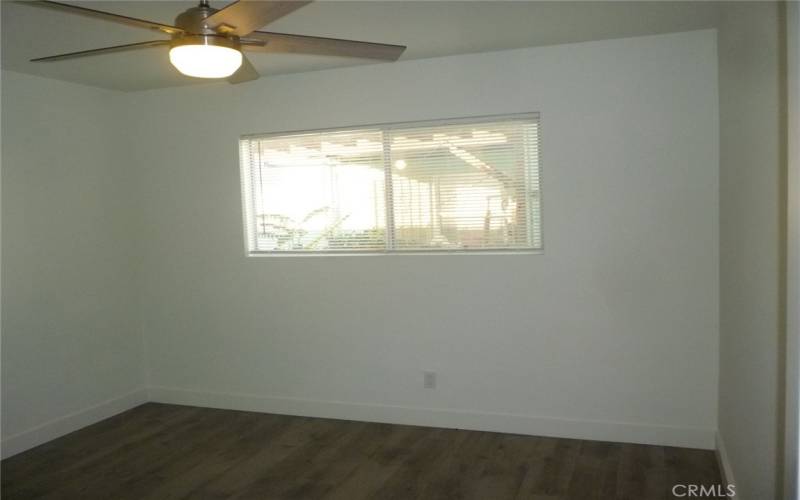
(611, 334)
(750, 247)
(793, 253)
(71, 345)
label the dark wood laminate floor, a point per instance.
(163, 452)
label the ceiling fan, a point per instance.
(208, 43)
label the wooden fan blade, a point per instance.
(244, 16)
(106, 16)
(104, 50)
(245, 73)
(280, 42)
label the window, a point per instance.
(459, 186)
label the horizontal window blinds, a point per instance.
(466, 185)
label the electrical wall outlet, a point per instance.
(429, 380)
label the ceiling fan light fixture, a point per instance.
(206, 57)
(206, 42)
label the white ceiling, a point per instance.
(428, 28)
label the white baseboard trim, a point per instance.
(69, 423)
(724, 464)
(687, 437)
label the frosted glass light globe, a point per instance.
(205, 61)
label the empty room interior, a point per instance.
(400, 250)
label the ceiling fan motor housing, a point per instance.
(197, 31)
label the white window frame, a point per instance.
(248, 203)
